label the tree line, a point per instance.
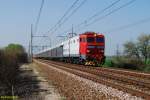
(136, 55)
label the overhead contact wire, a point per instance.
(96, 14)
(74, 11)
(39, 15)
(129, 25)
(113, 11)
(60, 20)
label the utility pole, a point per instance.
(29, 52)
(72, 34)
(31, 43)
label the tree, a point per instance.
(144, 47)
(18, 51)
(131, 50)
(138, 50)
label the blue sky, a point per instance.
(16, 17)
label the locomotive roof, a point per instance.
(91, 33)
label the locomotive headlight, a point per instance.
(88, 51)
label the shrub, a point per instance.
(9, 68)
(18, 51)
(147, 68)
(127, 63)
(10, 59)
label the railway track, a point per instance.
(130, 82)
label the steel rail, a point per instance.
(110, 75)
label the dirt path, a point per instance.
(45, 90)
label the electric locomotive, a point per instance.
(92, 46)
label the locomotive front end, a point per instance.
(92, 48)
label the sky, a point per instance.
(16, 17)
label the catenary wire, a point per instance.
(67, 18)
(102, 17)
(65, 14)
(113, 11)
(38, 17)
(95, 15)
(129, 25)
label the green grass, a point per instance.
(108, 62)
(148, 62)
(112, 62)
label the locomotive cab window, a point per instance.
(82, 39)
(99, 39)
(90, 39)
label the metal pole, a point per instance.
(31, 44)
(29, 53)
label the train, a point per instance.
(87, 48)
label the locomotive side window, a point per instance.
(84, 39)
(90, 39)
(99, 39)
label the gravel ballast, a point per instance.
(78, 88)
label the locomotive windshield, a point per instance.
(99, 39)
(90, 39)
